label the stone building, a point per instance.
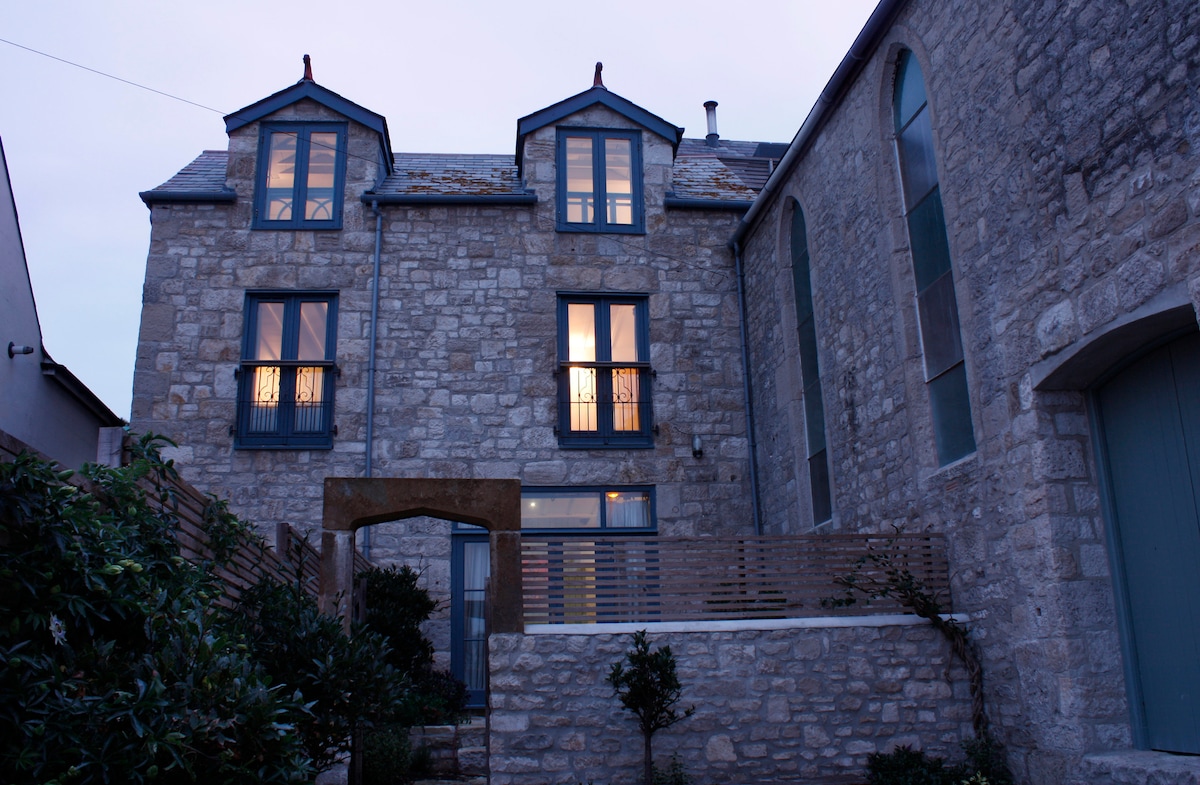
(973, 285)
(567, 316)
(971, 288)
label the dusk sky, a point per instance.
(449, 76)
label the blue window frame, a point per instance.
(600, 181)
(937, 305)
(301, 176)
(814, 403)
(604, 371)
(285, 382)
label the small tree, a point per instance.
(648, 686)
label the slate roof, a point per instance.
(732, 171)
(452, 174)
(201, 180)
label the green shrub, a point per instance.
(346, 682)
(906, 766)
(115, 663)
(396, 608)
(387, 755)
(984, 765)
(673, 774)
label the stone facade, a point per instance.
(1067, 143)
(1068, 152)
(467, 338)
(772, 705)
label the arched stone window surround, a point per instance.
(931, 276)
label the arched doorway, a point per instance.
(1147, 419)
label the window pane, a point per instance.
(808, 351)
(310, 395)
(910, 89)
(313, 324)
(622, 321)
(281, 176)
(917, 166)
(564, 510)
(618, 180)
(927, 237)
(941, 338)
(583, 399)
(952, 429)
(814, 418)
(818, 480)
(627, 399)
(322, 165)
(581, 184)
(581, 332)
(264, 400)
(269, 332)
(627, 509)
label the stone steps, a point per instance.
(1140, 768)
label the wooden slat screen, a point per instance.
(573, 579)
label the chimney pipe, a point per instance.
(710, 108)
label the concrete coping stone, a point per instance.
(737, 625)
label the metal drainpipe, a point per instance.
(366, 538)
(746, 389)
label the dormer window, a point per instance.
(599, 181)
(301, 175)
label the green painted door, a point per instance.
(1150, 421)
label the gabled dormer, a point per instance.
(293, 159)
(607, 159)
(303, 153)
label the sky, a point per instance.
(450, 76)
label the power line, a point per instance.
(109, 76)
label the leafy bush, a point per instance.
(346, 681)
(115, 664)
(985, 765)
(396, 608)
(906, 766)
(673, 774)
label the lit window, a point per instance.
(301, 171)
(937, 305)
(285, 396)
(599, 181)
(587, 508)
(604, 390)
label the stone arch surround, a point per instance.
(353, 502)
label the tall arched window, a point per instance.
(937, 308)
(814, 405)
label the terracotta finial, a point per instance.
(307, 69)
(597, 81)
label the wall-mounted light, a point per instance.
(15, 349)
(697, 447)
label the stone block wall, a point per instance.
(772, 705)
(1069, 165)
(467, 340)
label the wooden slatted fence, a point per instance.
(571, 579)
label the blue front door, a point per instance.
(1149, 418)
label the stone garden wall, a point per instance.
(776, 703)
